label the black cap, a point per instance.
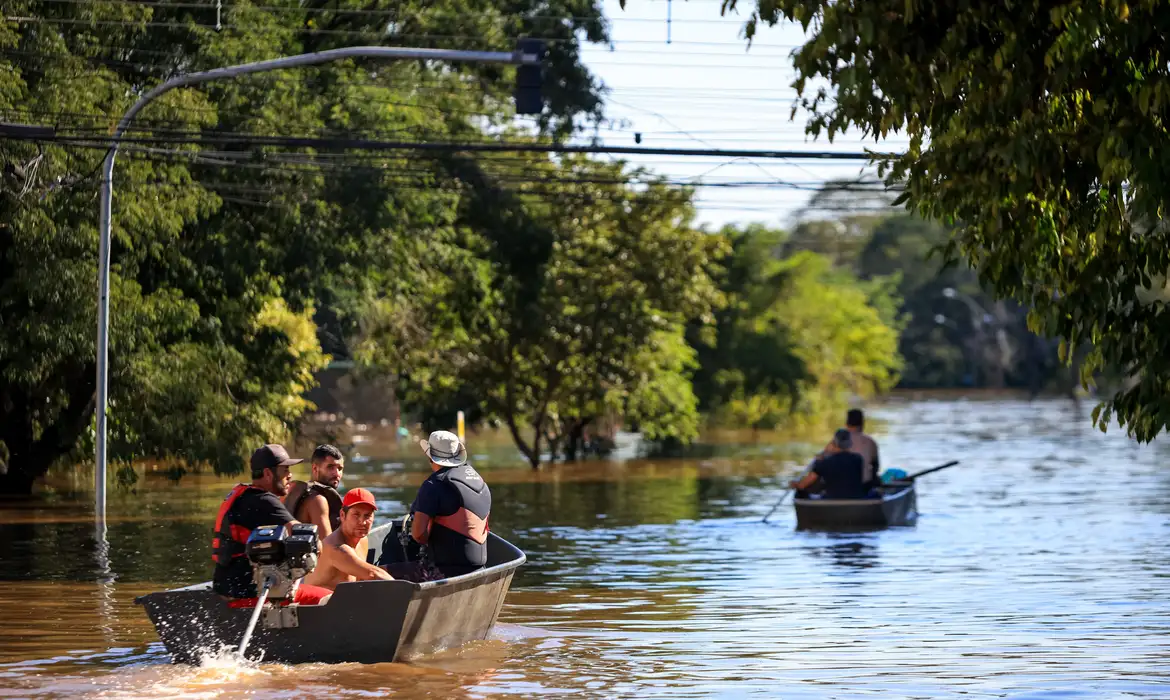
(271, 457)
(843, 439)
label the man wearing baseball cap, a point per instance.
(343, 552)
(247, 507)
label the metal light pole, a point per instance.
(978, 314)
(527, 54)
(980, 318)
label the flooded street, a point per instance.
(1038, 569)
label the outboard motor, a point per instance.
(280, 560)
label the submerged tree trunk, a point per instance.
(530, 452)
(25, 456)
(554, 447)
(575, 440)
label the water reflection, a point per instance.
(847, 555)
(1037, 569)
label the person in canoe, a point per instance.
(445, 534)
(247, 507)
(840, 470)
(317, 500)
(343, 552)
(863, 445)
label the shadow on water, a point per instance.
(1037, 569)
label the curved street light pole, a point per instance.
(979, 315)
(980, 318)
(518, 57)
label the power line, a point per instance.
(195, 138)
(384, 32)
(396, 12)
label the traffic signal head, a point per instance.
(530, 78)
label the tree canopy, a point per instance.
(593, 325)
(1038, 131)
(226, 258)
(798, 338)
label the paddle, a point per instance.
(787, 493)
(912, 477)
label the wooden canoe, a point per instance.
(898, 505)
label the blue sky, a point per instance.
(707, 89)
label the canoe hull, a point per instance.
(898, 506)
(364, 622)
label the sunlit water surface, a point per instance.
(1038, 569)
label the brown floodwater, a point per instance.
(1039, 568)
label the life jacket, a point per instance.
(228, 539)
(300, 490)
(471, 520)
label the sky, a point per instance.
(707, 89)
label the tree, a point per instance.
(798, 337)
(1039, 132)
(567, 299)
(222, 258)
(749, 351)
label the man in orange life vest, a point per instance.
(246, 508)
(317, 501)
(450, 512)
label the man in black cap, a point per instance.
(841, 471)
(246, 508)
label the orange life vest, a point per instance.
(228, 542)
(471, 520)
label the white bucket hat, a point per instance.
(444, 449)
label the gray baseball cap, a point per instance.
(843, 439)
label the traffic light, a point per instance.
(529, 78)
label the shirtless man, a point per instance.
(317, 500)
(343, 552)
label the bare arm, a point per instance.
(420, 527)
(317, 513)
(808, 480)
(346, 560)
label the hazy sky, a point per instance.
(706, 89)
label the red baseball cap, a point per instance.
(358, 495)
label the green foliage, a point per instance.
(662, 402)
(845, 333)
(1039, 131)
(559, 308)
(222, 259)
(798, 338)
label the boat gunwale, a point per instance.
(502, 567)
(842, 502)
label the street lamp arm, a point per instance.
(310, 59)
(978, 313)
(518, 57)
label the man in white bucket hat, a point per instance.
(444, 449)
(450, 513)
